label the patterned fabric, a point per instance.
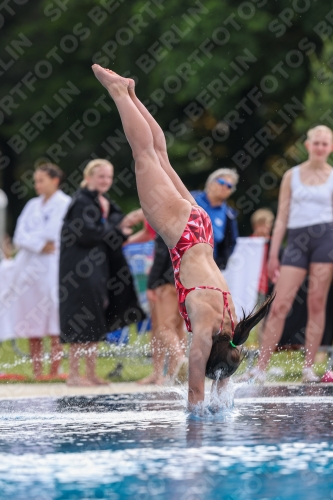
(197, 230)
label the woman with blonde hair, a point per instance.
(96, 287)
(306, 209)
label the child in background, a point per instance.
(262, 223)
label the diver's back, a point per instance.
(198, 268)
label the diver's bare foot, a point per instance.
(151, 379)
(79, 382)
(131, 86)
(160, 380)
(98, 381)
(115, 84)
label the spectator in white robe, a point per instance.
(34, 286)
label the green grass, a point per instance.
(134, 367)
(291, 362)
(138, 365)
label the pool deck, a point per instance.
(59, 390)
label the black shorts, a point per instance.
(309, 244)
(161, 272)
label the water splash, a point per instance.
(218, 402)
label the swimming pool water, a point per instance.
(147, 447)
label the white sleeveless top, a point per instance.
(310, 205)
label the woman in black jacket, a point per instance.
(96, 287)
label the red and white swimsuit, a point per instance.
(197, 230)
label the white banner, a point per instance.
(243, 273)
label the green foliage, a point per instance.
(318, 96)
(136, 365)
(178, 52)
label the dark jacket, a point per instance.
(227, 245)
(96, 287)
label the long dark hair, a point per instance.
(224, 359)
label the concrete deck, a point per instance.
(60, 390)
(14, 391)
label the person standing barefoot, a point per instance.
(90, 257)
(306, 209)
(37, 235)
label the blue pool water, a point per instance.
(268, 446)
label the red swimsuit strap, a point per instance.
(226, 305)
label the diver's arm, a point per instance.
(199, 354)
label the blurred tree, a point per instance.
(200, 67)
(318, 97)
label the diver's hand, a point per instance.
(273, 269)
(49, 247)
